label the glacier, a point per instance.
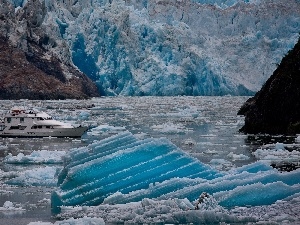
(122, 169)
(173, 47)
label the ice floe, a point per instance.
(42, 176)
(36, 157)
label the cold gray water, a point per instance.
(204, 127)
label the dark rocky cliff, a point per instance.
(275, 109)
(29, 65)
(29, 75)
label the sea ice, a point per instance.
(9, 206)
(235, 157)
(149, 211)
(43, 176)
(79, 221)
(104, 128)
(171, 128)
(277, 153)
(9, 174)
(36, 157)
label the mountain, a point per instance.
(169, 47)
(28, 67)
(275, 109)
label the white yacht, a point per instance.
(28, 123)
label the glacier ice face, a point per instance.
(166, 49)
(123, 169)
(195, 47)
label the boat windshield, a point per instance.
(45, 118)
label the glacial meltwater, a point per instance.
(252, 184)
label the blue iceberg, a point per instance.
(123, 169)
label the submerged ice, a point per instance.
(122, 169)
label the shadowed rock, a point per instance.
(36, 75)
(275, 109)
(35, 64)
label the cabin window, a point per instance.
(40, 127)
(48, 127)
(17, 127)
(33, 127)
(14, 128)
(8, 120)
(21, 120)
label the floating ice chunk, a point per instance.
(252, 194)
(44, 176)
(150, 211)
(235, 157)
(3, 147)
(256, 167)
(277, 155)
(9, 206)
(40, 223)
(36, 157)
(105, 128)
(122, 163)
(122, 169)
(80, 221)
(279, 146)
(84, 115)
(221, 164)
(170, 128)
(186, 113)
(190, 142)
(9, 174)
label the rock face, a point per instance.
(275, 109)
(28, 66)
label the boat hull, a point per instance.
(75, 132)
